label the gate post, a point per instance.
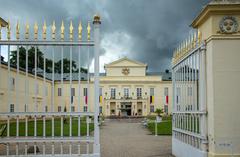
(96, 23)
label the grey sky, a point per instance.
(145, 30)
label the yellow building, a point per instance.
(126, 89)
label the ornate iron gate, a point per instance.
(46, 131)
(189, 107)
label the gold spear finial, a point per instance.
(88, 31)
(186, 46)
(179, 51)
(199, 37)
(53, 30)
(35, 31)
(192, 40)
(27, 31)
(62, 31)
(71, 30)
(189, 43)
(44, 30)
(17, 30)
(80, 31)
(174, 53)
(183, 48)
(9, 30)
(195, 39)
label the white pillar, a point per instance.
(203, 105)
(96, 23)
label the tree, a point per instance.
(40, 61)
(31, 59)
(159, 112)
(66, 66)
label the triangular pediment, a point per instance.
(125, 62)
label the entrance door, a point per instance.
(126, 108)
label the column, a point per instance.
(96, 23)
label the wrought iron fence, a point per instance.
(28, 127)
(189, 109)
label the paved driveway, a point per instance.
(124, 138)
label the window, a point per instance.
(189, 91)
(46, 108)
(12, 83)
(11, 107)
(73, 92)
(100, 91)
(139, 92)
(46, 91)
(25, 108)
(126, 92)
(37, 89)
(72, 108)
(59, 91)
(113, 93)
(151, 91)
(85, 108)
(59, 109)
(166, 109)
(71, 99)
(152, 109)
(85, 92)
(165, 91)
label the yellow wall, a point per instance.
(223, 88)
(18, 96)
(223, 98)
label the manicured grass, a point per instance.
(163, 128)
(57, 128)
(153, 117)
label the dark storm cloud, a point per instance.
(155, 27)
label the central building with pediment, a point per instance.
(127, 89)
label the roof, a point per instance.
(125, 59)
(166, 76)
(216, 7)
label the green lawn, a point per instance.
(57, 128)
(153, 117)
(164, 128)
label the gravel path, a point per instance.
(128, 138)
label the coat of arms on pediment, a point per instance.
(125, 71)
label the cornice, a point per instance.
(223, 37)
(215, 9)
